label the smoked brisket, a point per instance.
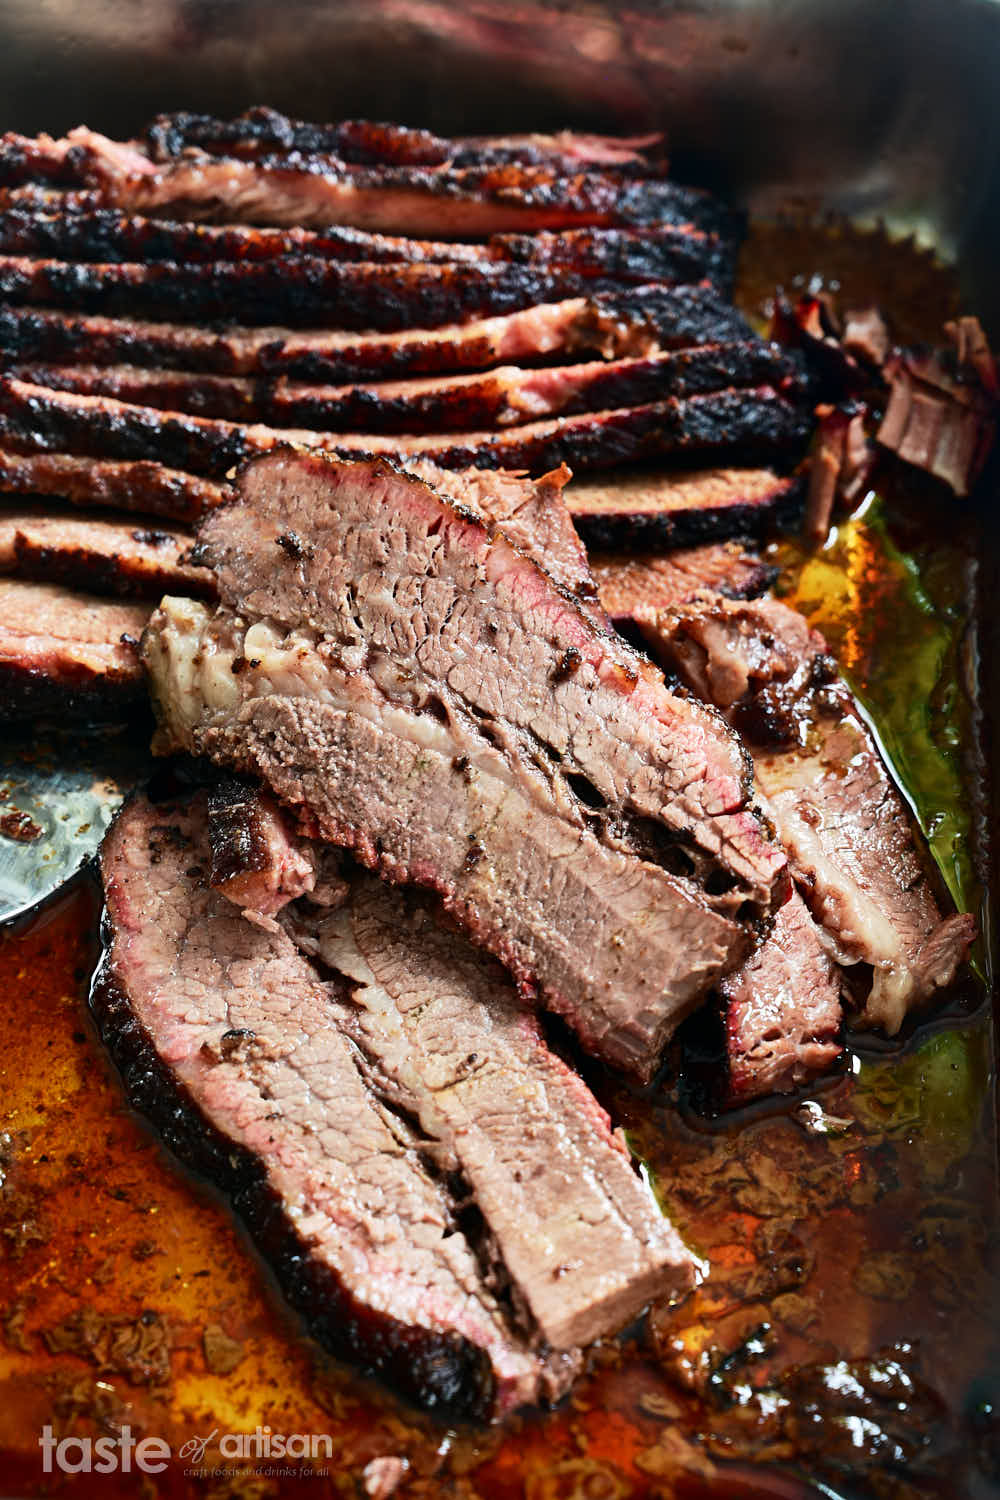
(464, 726)
(437, 1193)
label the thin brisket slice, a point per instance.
(68, 654)
(782, 1010)
(762, 420)
(642, 321)
(104, 555)
(500, 397)
(317, 191)
(652, 510)
(263, 131)
(417, 690)
(628, 584)
(300, 291)
(838, 814)
(228, 1040)
(666, 252)
(438, 1194)
(136, 485)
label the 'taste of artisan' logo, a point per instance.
(126, 1454)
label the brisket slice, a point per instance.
(642, 321)
(136, 485)
(572, 1226)
(258, 861)
(628, 584)
(838, 814)
(263, 131)
(104, 555)
(68, 654)
(782, 1010)
(501, 397)
(753, 420)
(299, 291)
(940, 418)
(650, 509)
(317, 191)
(415, 689)
(532, 515)
(228, 1040)
(667, 252)
(574, 1233)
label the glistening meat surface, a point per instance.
(836, 809)
(782, 1010)
(419, 691)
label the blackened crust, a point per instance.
(651, 531)
(27, 694)
(440, 1371)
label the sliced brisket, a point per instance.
(941, 417)
(667, 252)
(650, 509)
(462, 725)
(753, 420)
(135, 485)
(838, 814)
(104, 555)
(639, 322)
(439, 1195)
(263, 131)
(228, 1040)
(628, 584)
(300, 291)
(782, 1010)
(317, 191)
(500, 397)
(65, 654)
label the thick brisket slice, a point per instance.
(299, 291)
(134, 485)
(570, 1226)
(531, 513)
(106, 556)
(462, 725)
(574, 1229)
(782, 1010)
(226, 1037)
(70, 654)
(628, 584)
(665, 252)
(651, 509)
(261, 131)
(501, 397)
(640, 322)
(838, 814)
(753, 420)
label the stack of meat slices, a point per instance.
(174, 305)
